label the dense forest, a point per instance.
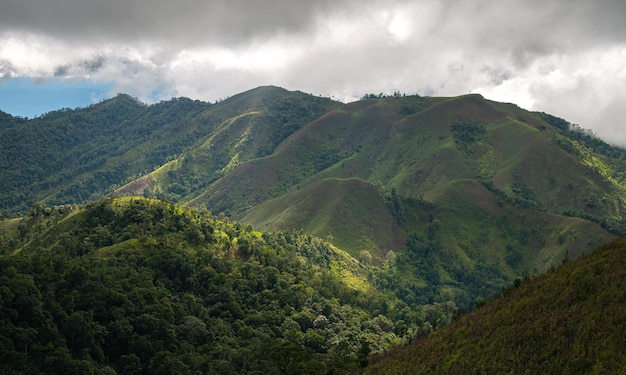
(144, 286)
(138, 286)
(77, 155)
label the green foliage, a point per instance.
(570, 320)
(134, 285)
(71, 156)
(466, 133)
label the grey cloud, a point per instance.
(525, 27)
(496, 75)
(61, 71)
(6, 69)
(86, 67)
(526, 30)
(94, 65)
(186, 22)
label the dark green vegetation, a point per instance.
(138, 286)
(70, 156)
(568, 321)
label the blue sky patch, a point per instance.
(26, 97)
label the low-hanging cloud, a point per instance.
(563, 57)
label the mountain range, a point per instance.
(484, 192)
(418, 208)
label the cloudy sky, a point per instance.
(565, 57)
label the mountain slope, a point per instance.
(570, 320)
(73, 156)
(69, 156)
(344, 217)
(248, 126)
(489, 188)
(512, 152)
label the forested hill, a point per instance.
(76, 156)
(569, 321)
(71, 156)
(140, 286)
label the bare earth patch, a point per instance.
(136, 187)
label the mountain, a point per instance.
(245, 127)
(425, 205)
(434, 150)
(71, 156)
(446, 199)
(568, 321)
(470, 194)
(75, 156)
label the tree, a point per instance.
(363, 353)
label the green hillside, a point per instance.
(135, 285)
(568, 321)
(72, 156)
(76, 156)
(247, 126)
(423, 152)
(345, 218)
(492, 191)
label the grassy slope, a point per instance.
(344, 216)
(418, 155)
(571, 320)
(247, 126)
(315, 147)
